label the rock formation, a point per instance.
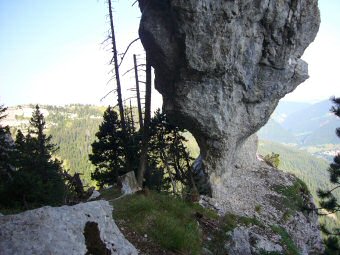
(81, 229)
(222, 66)
(276, 200)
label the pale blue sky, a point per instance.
(51, 52)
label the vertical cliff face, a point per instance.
(223, 65)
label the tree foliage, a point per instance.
(6, 151)
(327, 199)
(37, 179)
(168, 161)
(272, 159)
(108, 151)
(169, 154)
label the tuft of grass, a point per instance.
(258, 208)
(110, 193)
(293, 197)
(263, 252)
(286, 241)
(167, 220)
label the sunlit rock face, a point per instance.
(223, 65)
(85, 228)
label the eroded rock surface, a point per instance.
(279, 202)
(223, 65)
(86, 228)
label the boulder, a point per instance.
(95, 194)
(129, 183)
(86, 228)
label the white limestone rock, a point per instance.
(129, 183)
(95, 194)
(222, 66)
(66, 230)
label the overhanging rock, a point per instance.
(222, 66)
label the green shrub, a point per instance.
(272, 159)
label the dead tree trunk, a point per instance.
(147, 117)
(140, 114)
(119, 91)
(132, 120)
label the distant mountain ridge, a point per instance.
(302, 124)
(286, 108)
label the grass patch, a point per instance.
(293, 197)
(287, 243)
(231, 221)
(263, 252)
(167, 220)
(228, 223)
(7, 211)
(110, 193)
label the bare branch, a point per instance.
(107, 94)
(131, 69)
(108, 38)
(114, 77)
(121, 60)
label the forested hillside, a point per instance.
(73, 129)
(312, 170)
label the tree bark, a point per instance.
(119, 91)
(140, 114)
(147, 118)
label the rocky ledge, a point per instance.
(86, 228)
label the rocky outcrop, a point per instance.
(222, 66)
(85, 228)
(279, 203)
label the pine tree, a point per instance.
(108, 152)
(328, 200)
(167, 149)
(6, 150)
(38, 178)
